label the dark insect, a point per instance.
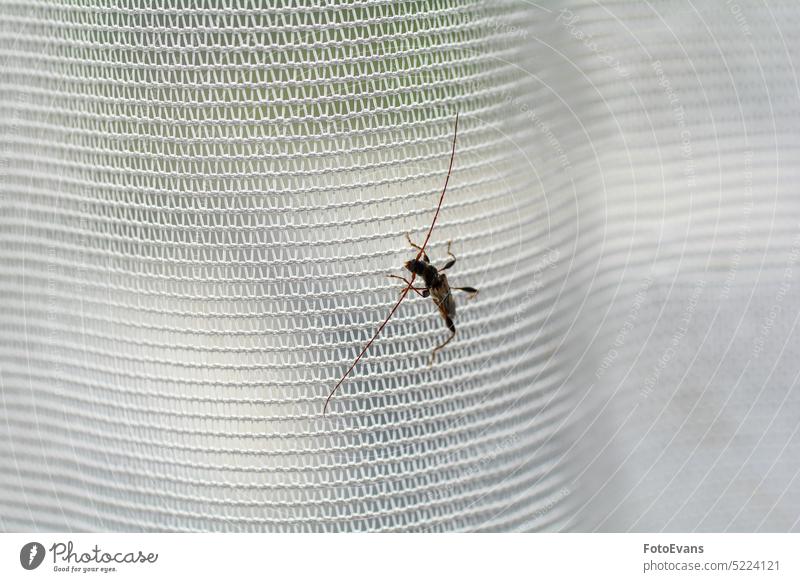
(437, 287)
(442, 288)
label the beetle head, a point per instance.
(415, 266)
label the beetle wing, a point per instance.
(444, 298)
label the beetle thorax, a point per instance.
(428, 272)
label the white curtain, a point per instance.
(200, 202)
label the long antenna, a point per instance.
(413, 275)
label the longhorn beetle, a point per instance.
(437, 286)
(435, 282)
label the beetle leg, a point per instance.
(421, 291)
(419, 248)
(451, 262)
(452, 327)
(471, 290)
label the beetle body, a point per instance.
(437, 288)
(436, 283)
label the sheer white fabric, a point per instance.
(200, 201)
